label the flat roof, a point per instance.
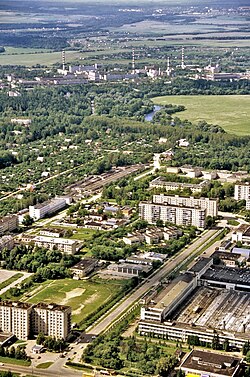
(200, 264)
(84, 263)
(211, 362)
(174, 290)
(232, 275)
(56, 240)
(52, 306)
(220, 309)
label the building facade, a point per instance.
(23, 319)
(186, 216)
(8, 224)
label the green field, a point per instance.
(231, 112)
(84, 296)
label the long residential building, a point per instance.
(23, 319)
(211, 205)
(65, 245)
(187, 216)
(160, 182)
(242, 191)
(40, 210)
(8, 224)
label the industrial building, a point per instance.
(203, 363)
(206, 302)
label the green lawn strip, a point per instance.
(10, 360)
(10, 280)
(45, 365)
(231, 112)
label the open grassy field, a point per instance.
(230, 112)
(84, 296)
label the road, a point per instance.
(63, 372)
(16, 282)
(165, 270)
(58, 369)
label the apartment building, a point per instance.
(15, 318)
(53, 320)
(186, 216)
(211, 205)
(242, 191)
(40, 210)
(8, 224)
(23, 320)
(6, 242)
(65, 245)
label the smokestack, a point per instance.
(168, 67)
(63, 60)
(133, 61)
(182, 59)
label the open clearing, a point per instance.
(231, 112)
(84, 296)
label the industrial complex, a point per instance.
(207, 302)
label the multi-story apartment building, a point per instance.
(23, 320)
(40, 210)
(6, 242)
(65, 245)
(187, 216)
(15, 318)
(53, 320)
(242, 192)
(8, 224)
(211, 205)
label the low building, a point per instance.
(242, 234)
(6, 339)
(51, 232)
(83, 268)
(229, 259)
(160, 182)
(65, 245)
(203, 363)
(129, 269)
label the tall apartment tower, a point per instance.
(15, 318)
(183, 66)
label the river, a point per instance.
(149, 116)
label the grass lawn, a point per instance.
(231, 112)
(45, 365)
(84, 296)
(10, 360)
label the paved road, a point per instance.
(165, 270)
(63, 372)
(16, 282)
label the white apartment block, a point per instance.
(52, 320)
(63, 244)
(15, 318)
(187, 216)
(40, 210)
(242, 191)
(8, 223)
(160, 182)
(211, 205)
(23, 320)
(6, 242)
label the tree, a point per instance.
(40, 338)
(27, 220)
